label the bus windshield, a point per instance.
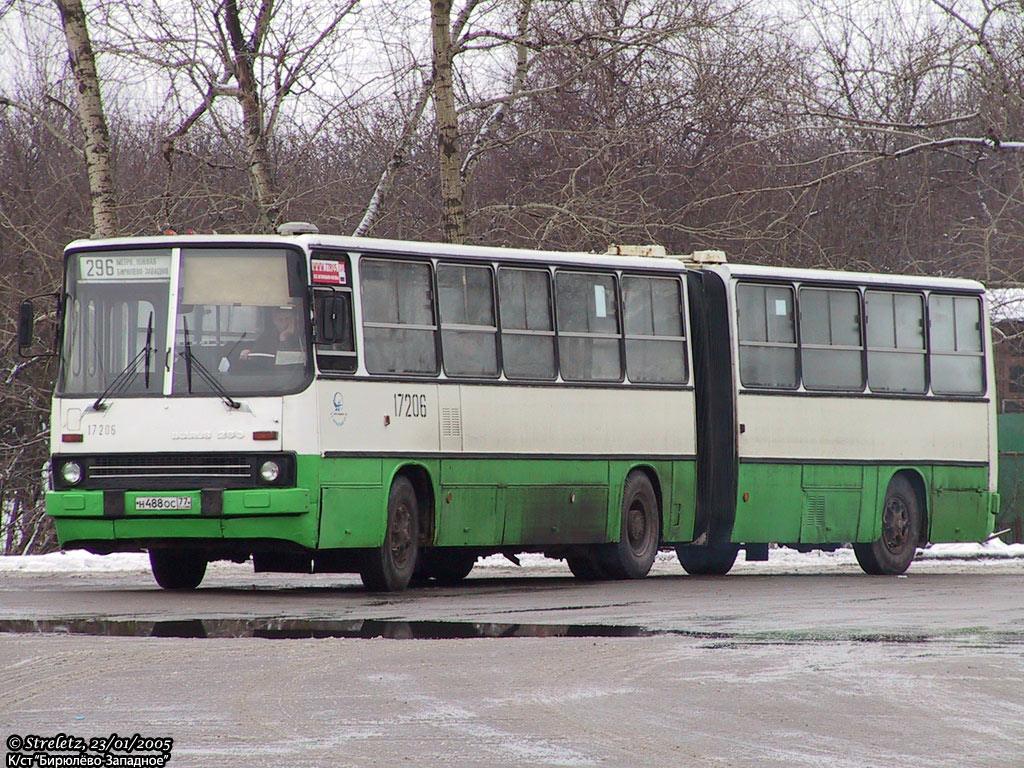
(240, 322)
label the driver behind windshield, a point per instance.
(282, 334)
(280, 342)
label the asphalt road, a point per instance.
(764, 667)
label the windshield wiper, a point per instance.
(204, 373)
(149, 348)
(127, 375)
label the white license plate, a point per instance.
(162, 503)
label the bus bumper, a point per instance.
(285, 514)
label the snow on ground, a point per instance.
(995, 549)
(74, 561)
(79, 561)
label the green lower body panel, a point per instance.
(547, 502)
(961, 507)
(352, 516)
(342, 504)
(837, 503)
(490, 503)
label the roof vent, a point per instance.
(705, 257)
(651, 251)
(297, 228)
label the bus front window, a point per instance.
(241, 322)
(114, 298)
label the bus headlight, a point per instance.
(71, 472)
(270, 471)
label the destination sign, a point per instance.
(328, 272)
(124, 269)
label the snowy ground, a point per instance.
(781, 559)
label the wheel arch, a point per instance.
(423, 485)
(913, 476)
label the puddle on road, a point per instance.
(286, 629)
(392, 629)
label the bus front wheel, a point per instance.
(633, 555)
(893, 552)
(177, 568)
(390, 567)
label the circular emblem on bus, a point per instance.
(338, 415)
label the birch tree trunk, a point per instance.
(453, 211)
(258, 166)
(102, 194)
(394, 161)
(475, 150)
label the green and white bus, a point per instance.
(328, 404)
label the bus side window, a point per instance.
(527, 331)
(896, 353)
(653, 320)
(830, 339)
(767, 335)
(588, 327)
(954, 334)
(469, 333)
(399, 330)
(336, 349)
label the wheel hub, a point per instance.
(636, 527)
(401, 536)
(896, 524)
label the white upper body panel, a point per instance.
(159, 424)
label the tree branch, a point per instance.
(50, 127)
(394, 161)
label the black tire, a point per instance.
(716, 560)
(633, 555)
(444, 566)
(390, 567)
(586, 565)
(902, 522)
(177, 569)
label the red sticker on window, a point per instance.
(328, 272)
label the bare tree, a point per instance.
(91, 118)
(473, 108)
(453, 211)
(244, 49)
(395, 159)
(901, 106)
(262, 57)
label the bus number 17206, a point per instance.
(407, 405)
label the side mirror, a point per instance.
(26, 324)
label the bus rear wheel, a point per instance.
(633, 555)
(714, 560)
(177, 568)
(390, 567)
(893, 552)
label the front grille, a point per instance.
(173, 471)
(163, 466)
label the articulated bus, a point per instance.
(325, 404)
